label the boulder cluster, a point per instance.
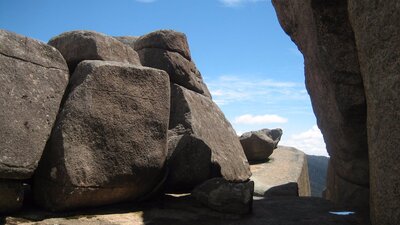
(89, 120)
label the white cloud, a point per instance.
(259, 119)
(236, 3)
(310, 141)
(235, 89)
(145, 1)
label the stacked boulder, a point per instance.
(259, 145)
(33, 77)
(123, 130)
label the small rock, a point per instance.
(224, 196)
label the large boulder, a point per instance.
(376, 28)
(285, 174)
(109, 143)
(11, 195)
(169, 40)
(198, 127)
(224, 196)
(322, 32)
(259, 145)
(180, 70)
(80, 45)
(33, 77)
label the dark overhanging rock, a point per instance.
(323, 34)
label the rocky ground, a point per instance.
(183, 210)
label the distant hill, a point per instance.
(317, 168)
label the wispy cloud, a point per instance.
(236, 3)
(145, 1)
(236, 89)
(310, 141)
(259, 119)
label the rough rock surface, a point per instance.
(259, 145)
(184, 210)
(169, 40)
(323, 33)
(33, 77)
(128, 40)
(343, 192)
(109, 143)
(198, 119)
(80, 45)
(286, 166)
(224, 196)
(11, 195)
(376, 27)
(181, 70)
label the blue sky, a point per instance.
(254, 71)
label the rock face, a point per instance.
(377, 30)
(198, 127)
(351, 50)
(169, 51)
(80, 45)
(259, 145)
(286, 173)
(323, 34)
(224, 196)
(11, 195)
(343, 192)
(109, 143)
(33, 77)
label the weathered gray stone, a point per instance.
(344, 193)
(109, 143)
(322, 32)
(376, 28)
(80, 45)
(165, 39)
(198, 126)
(33, 77)
(224, 196)
(11, 195)
(181, 71)
(259, 145)
(128, 40)
(286, 165)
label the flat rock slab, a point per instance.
(286, 166)
(33, 78)
(184, 210)
(109, 143)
